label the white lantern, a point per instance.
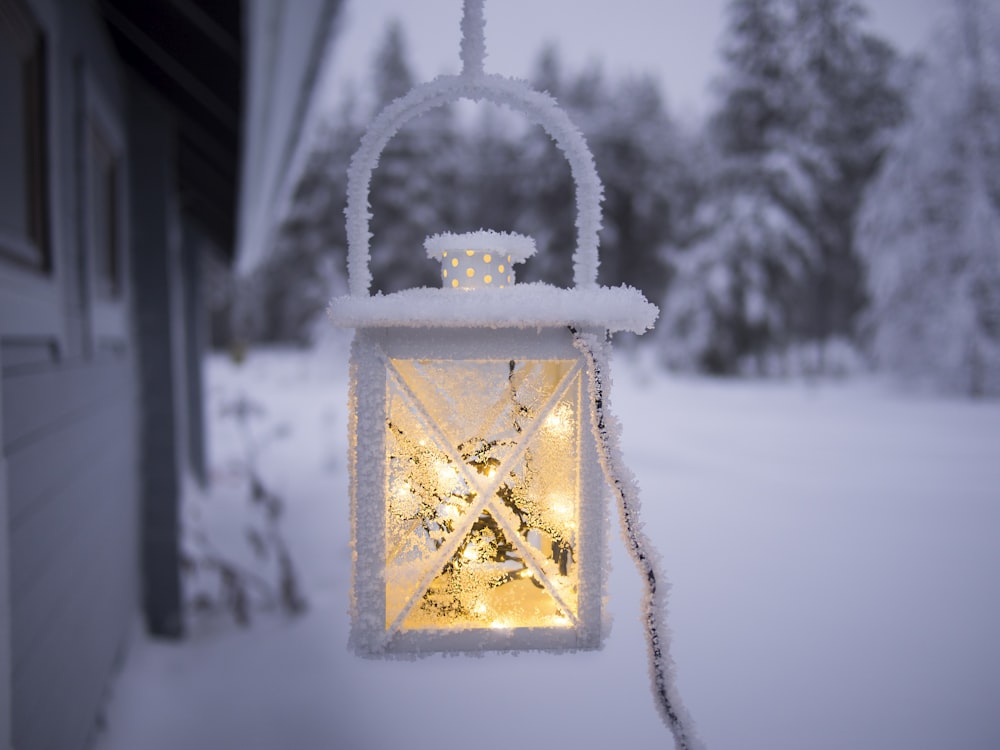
(478, 499)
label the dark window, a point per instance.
(105, 214)
(23, 184)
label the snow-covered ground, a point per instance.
(834, 552)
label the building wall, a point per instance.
(69, 445)
(70, 404)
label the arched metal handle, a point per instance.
(540, 108)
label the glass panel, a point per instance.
(482, 488)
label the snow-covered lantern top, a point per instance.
(478, 260)
(478, 496)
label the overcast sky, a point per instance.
(677, 40)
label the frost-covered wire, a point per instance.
(473, 38)
(606, 433)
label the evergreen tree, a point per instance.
(643, 161)
(734, 285)
(649, 184)
(849, 106)
(417, 173)
(930, 228)
(806, 105)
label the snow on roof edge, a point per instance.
(621, 308)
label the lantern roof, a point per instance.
(533, 305)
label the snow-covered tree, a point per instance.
(805, 102)
(645, 163)
(929, 232)
(417, 173)
(732, 292)
(847, 103)
(650, 187)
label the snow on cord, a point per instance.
(540, 108)
(607, 432)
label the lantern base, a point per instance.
(477, 641)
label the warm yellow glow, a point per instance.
(447, 474)
(454, 282)
(444, 254)
(482, 533)
(454, 262)
(487, 258)
(558, 421)
(500, 268)
(444, 273)
(488, 279)
(563, 509)
(470, 253)
(470, 272)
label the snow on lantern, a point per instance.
(478, 495)
(478, 488)
(481, 446)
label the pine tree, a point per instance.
(642, 159)
(848, 105)
(930, 228)
(732, 292)
(415, 178)
(806, 105)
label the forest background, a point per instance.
(838, 209)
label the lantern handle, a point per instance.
(473, 84)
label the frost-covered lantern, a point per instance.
(478, 496)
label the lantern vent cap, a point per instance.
(518, 246)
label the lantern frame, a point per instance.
(372, 353)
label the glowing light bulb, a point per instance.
(563, 510)
(559, 422)
(447, 474)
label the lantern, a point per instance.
(478, 498)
